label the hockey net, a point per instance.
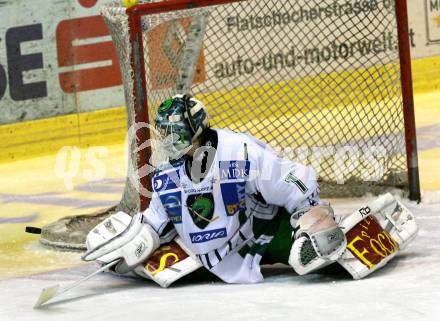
(318, 80)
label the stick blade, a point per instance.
(46, 295)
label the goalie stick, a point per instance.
(54, 291)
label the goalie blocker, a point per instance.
(375, 233)
(135, 246)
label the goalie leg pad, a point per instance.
(376, 233)
(169, 263)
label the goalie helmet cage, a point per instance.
(328, 83)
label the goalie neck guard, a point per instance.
(180, 120)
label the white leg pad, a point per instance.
(375, 234)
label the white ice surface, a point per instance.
(408, 288)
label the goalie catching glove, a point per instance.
(121, 237)
(318, 240)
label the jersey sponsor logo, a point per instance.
(198, 190)
(166, 181)
(234, 197)
(191, 188)
(173, 206)
(206, 236)
(201, 209)
(291, 178)
(235, 169)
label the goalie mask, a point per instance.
(180, 120)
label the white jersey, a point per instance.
(225, 219)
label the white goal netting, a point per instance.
(318, 80)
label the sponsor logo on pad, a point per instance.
(370, 243)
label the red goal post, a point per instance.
(408, 100)
(334, 89)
